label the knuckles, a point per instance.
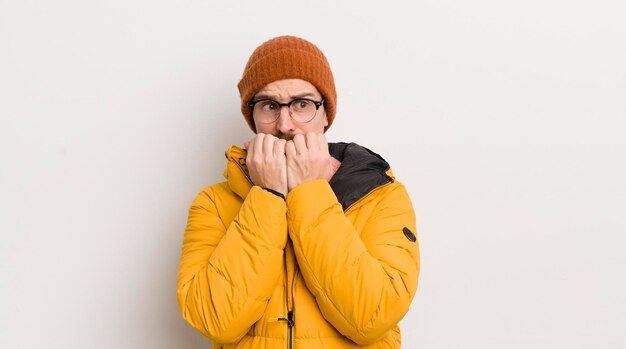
(311, 147)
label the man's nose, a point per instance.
(285, 123)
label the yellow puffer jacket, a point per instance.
(335, 265)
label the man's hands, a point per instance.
(282, 165)
(267, 163)
(307, 159)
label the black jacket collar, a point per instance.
(361, 171)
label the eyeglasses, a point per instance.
(301, 110)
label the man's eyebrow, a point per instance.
(302, 95)
(262, 96)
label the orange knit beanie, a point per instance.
(287, 57)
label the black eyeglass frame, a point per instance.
(317, 104)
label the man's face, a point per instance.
(284, 91)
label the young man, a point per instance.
(306, 244)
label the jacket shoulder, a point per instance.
(216, 194)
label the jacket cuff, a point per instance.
(308, 201)
(279, 194)
(265, 216)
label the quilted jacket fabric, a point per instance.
(334, 265)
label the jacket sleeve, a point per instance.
(363, 281)
(227, 274)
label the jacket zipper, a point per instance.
(291, 314)
(290, 324)
(290, 293)
(291, 317)
(291, 321)
(243, 171)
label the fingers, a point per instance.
(279, 148)
(311, 141)
(265, 146)
(265, 143)
(316, 142)
(299, 143)
(268, 146)
(290, 150)
(258, 144)
(266, 162)
(250, 149)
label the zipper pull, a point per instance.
(291, 319)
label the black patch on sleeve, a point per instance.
(409, 234)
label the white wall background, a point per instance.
(505, 120)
